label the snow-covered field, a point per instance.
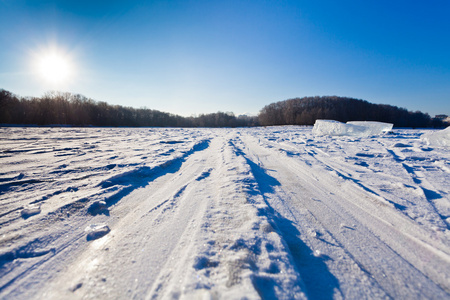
(222, 213)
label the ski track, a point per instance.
(261, 213)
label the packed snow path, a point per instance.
(224, 213)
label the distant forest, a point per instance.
(305, 111)
(56, 108)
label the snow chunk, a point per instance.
(372, 127)
(30, 211)
(335, 128)
(353, 128)
(96, 231)
(98, 207)
(438, 138)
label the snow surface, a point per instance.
(438, 138)
(260, 213)
(352, 128)
(372, 127)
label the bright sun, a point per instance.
(54, 67)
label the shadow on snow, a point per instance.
(319, 282)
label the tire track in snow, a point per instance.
(150, 224)
(230, 220)
(394, 253)
(236, 253)
(428, 192)
(364, 167)
(68, 237)
(319, 282)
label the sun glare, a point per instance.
(54, 67)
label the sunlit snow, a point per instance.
(438, 138)
(276, 212)
(352, 128)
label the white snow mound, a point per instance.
(372, 127)
(96, 231)
(353, 128)
(30, 211)
(330, 127)
(438, 138)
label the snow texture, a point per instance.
(96, 231)
(29, 211)
(260, 213)
(372, 127)
(352, 128)
(438, 138)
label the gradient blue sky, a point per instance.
(190, 57)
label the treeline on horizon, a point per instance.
(57, 108)
(305, 111)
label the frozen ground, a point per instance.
(226, 213)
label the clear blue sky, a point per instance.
(191, 57)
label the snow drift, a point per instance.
(254, 213)
(352, 128)
(438, 138)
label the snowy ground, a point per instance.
(222, 213)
